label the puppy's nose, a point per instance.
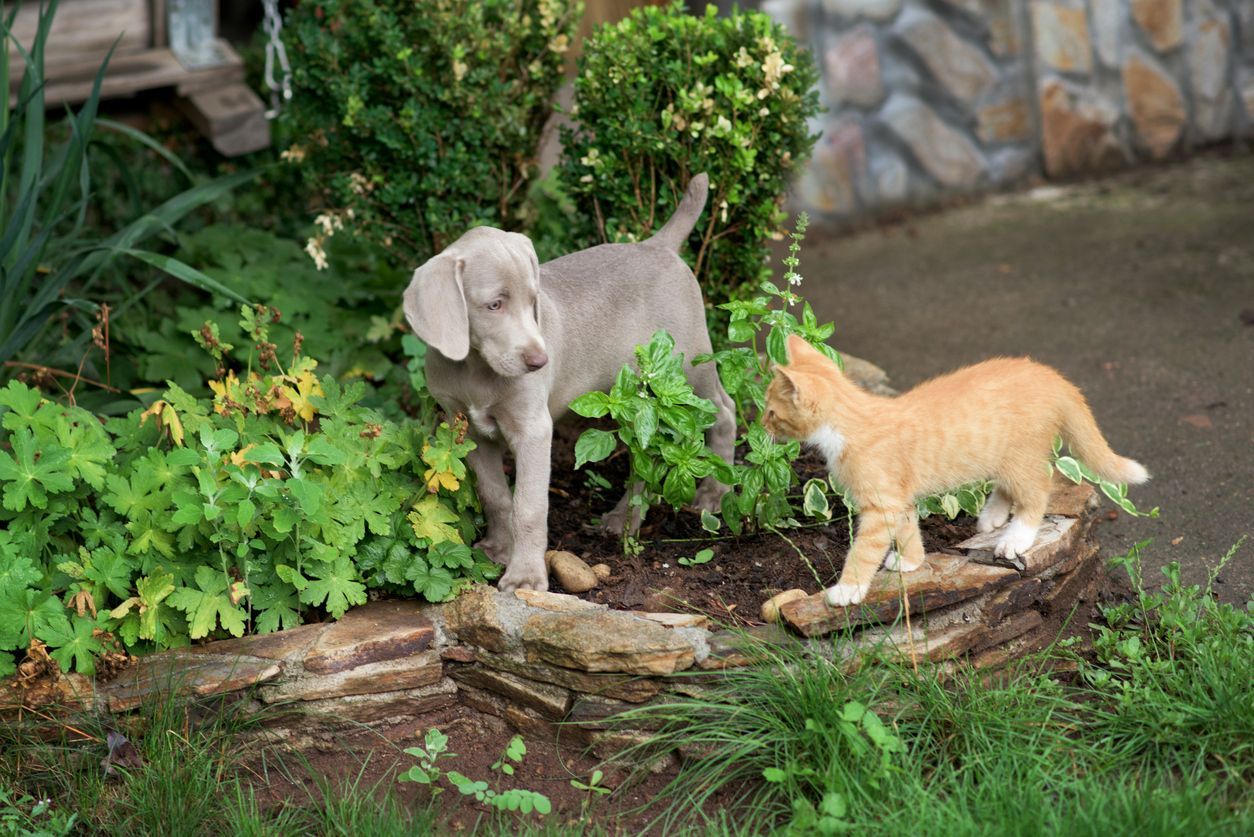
(535, 359)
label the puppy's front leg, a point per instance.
(531, 445)
(488, 461)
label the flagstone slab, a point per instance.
(606, 641)
(408, 672)
(550, 701)
(384, 707)
(185, 673)
(1055, 540)
(941, 581)
(631, 688)
(383, 630)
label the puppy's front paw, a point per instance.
(1016, 540)
(842, 595)
(709, 496)
(524, 575)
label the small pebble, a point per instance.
(602, 571)
(571, 572)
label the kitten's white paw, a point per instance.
(1016, 540)
(994, 515)
(841, 595)
(899, 563)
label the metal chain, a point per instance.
(273, 25)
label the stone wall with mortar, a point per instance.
(556, 665)
(930, 98)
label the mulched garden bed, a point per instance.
(744, 572)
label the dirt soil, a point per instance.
(744, 571)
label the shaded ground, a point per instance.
(1139, 288)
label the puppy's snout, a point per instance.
(535, 359)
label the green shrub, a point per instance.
(662, 96)
(422, 120)
(280, 497)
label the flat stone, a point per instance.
(458, 653)
(998, 15)
(941, 581)
(793, 14)
(187, 674)
(1077, 129)
(866, 9)
(630, 748)
(1055, 540)
(1062, 592)
(675, 620)
(1006, 120)
(1070, 499)
(944, 151)
(890, 178)
(353, 710)
(745, 646)
(1062, 36)
(1109, 20)
(289, 645)
(474, 618)
(1161, 20)
(410, 672)
(1207, 58)
(550, 701)
(64, 692)
(1011, 165)
(384, 630)
(1014, 598)
(598, 712)
(959, 66)
(935, 645)
(853, 69)
(830, 182)
(1154, 102)
(1246, 87)
(1010, 628)
(556, 602)
(606, 641)
(628, 688)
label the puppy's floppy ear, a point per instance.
(435, 305)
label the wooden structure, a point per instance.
(214, 96)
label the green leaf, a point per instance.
(774, 775)
(1069, 468)
(430, 520)
(591, 405)
(33, 472)
(777, 345)
(434, 583)
(645, 424)
(210, 602)
(594, 445)
(76, 648)
(334, 586)
(815, 500)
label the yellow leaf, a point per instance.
(240, 457)
(307, 385)
(166, 418)
(440, 479)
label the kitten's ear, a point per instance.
(798, 348)
(786, 384)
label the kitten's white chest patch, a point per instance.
(830, 442)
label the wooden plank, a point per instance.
(231, 116)
(83, 30)
(131, 74)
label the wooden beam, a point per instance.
(231, 116)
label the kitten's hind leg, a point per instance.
(995, 513)
(907, 553)
(1031, 496)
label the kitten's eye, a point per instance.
(494, 305)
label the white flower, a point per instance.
(294, 154)
(743, 58)
(314, 248)
(587, 178)
(774, 68)
(358, 183)
(592, 158)
(722, 127)
(723, 213)
(764, 112)
(459, 69)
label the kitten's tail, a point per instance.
(1080, 431)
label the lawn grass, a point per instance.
(1150, 732)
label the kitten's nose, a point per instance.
(535, 359)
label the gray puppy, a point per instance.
(515, 342)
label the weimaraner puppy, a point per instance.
(515, 342)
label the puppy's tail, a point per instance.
(1080, 430)
(675, 232)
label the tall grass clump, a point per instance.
(1153, 735)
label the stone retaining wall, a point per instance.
(537, 660)
(929, 98)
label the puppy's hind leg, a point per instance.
(720, 438)
(624, 516)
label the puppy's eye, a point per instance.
(494, 305)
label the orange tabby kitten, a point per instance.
(996, 419)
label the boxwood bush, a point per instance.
(663, 95)
(419, 121)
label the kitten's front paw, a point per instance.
(901, 564)
(842, 595)
(994, 515)
(1016, 540)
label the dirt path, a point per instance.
(1139, 287)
